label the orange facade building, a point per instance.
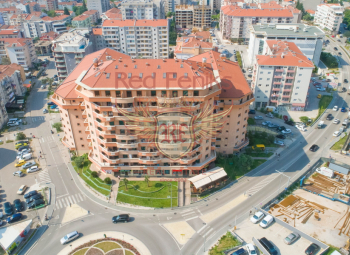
(109, 102)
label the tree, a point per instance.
(79, 162)
(304, 119)
(126, 183)
(329, 60)
(245, 161)
(147, 180)
(308, 17)
(346, 34)
(315, 70)
(169, 14)
(20, 136)
(271, 138)
(5, 61)
(215, 17)
(107, 180)
(51, 13)
(300, 7)
(94, 174)
(66, 11)
(58, 126)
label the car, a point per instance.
(313, 79)
(13, 218)
(339, 53)
(240, 251)
(12, 124)
(20, 163)
(30, 193)
(291, 238)
(69, 237)
(346, 80)
(18, 173)
(21, 144)
(121, 218)
(345, 122)
(266, 221)
(317, 84)
(321, 89)
(250, 249)
(268, 246)
(23, 148)
(336, 133)
(312, 249)
(335, 48)
(281, 128)
(272, 125)
(53, 106)
(270, 115)
(32, 169)
(335, 108)
(343, 89)
(280, 143)
(281, 136)
(28, 164)
(314, 147)
(266, 123)
(36, 203)
(257, 217)
(250, 70)
(336, 121)
(51, 103)
(301, 128)
(8, 208)
(45, 111)
(319, 96)
(329, 116)
(21, 153)
(33, 198)
(338, 40)
(343, 109)
(18, 205)
(341, 130)
(15, 120)
(251, 112)
(55, 76)
(258, 117)
(42, 86)
(289, 122)
(286, 131)
(21, 189)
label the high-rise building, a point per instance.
(190, 16)
(100, 5)
(69, 49)
(52, 4)
(142, 9)
(99, 98)
(282, 76)
(329, 16)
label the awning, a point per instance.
(208, 177)
(177, 170)
(338, 168)
(27, 85)
(299, 104)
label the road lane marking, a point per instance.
(70, 200)
(208, 232)
(191, 218)
(188, 213)
(66, 201)
(202, 228)
(74, 201)
(77, 198)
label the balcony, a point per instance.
(288, 84)
(87, 131)
(272, 100)
(243, 144)
(277, 77)
(279, 70)
(287, 90)
(286, 96)
(276, 83)
(291, 71)
(276, 89)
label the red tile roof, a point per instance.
(284, 54)
(15, 41)
(8, 32)
(67, 3)
(310, 11)
(270, 5)
(239, 12)
(61, 17)
(294, 10)
(81, 17)
(9, 70)
(10, 9)
(137, 23)
(91, 12)
(97, 31)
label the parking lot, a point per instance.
(275, 233)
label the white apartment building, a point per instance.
(329, 16)
(138, 38)
(235, 21)
(190, 16)
(69, 49)
(6, 14)
(169, 5)
(281, 76)
(100, 5)
(142, 9)
(309, 39)
(20, 51)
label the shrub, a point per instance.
(20, 136)
(58, 126)
(94, 174)
(304, 119)
(9, 141)
(158, 185)
(79, 161)
(107, 180)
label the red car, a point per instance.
(316, 83)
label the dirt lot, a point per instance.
(274, 233)
(324, 228)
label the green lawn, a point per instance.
(226, 242)
(258, 162)
(81, 252)
(251, 121)
(323, 104)
(95, 183)
(107, 246)
(259, 154)
(156, 195)
(339, 145)
(331, 249)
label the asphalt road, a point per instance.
(147, 225)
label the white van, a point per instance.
(27, 156)
(69, 237)
(266, 221)
(15, 120)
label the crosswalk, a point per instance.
(189, 214)
(261, 184)
(206, 231)
(44, 176)
(69, 200)
(46, 139)
(37, 118)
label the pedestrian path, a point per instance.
(189, 214)
(261, 184)
(46, 139)
(36, 119)
(44, 176)
(69, 200)
(206, 231)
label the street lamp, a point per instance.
(281, 179)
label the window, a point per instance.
(81, 138)
(80, 131)
(153, 93)
(125, 156)
(117, 93)
(114, 140)
(297, 87)
(111, 123)
(300, 74)
(259, 85)
(239, 115)
(143, 148)
(121, 122)
(238, 122)
(78, 124)
(77, 116)
(97, 93)
(299, 81)
(196, 93)
(185, 93)
(82, 146)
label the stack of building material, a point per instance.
(345, 227)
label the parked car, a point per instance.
(30, 193)
(312, 249)
(280, 143)
(336, 133)
(291, 238)
(268, 246)
(13, 218)
(329, 116)
(257, 217)
(335, 48)
(32, 169)
(18, 205)
(345, 123)
(21, 144)
(258, 117)
(335, 108)
(319, 96)
(51, 103)
(21, 189)
(270, 115)
(45, 111)
(281, 128)
(314, 147)
(69, 237)
(346, 80)
(290, 123)
(272, 125)
(8, 208)
(53, 106)
(336, 121)
(18, 173)
(251, 249)
(343, 109)
(286, 131)
(343, 89)
(266, 123)
(12, 124)
(240, 251)
(251, 112)
(20, 163)
(321, 89)
(23, 148)
(121, 218)
(33, 198)
(36, 203)
(28, 164)
(266, 221)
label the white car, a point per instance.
(257, 217)
(21, 189)
(335, 108)
(250, 70)
(286, 131)
(266, 221)
(301, 128)
(32, 169)
(321, 89)
(281, 143)
(250, 249)
(336, 121)
(266, 123)
(258, 117)
(13, 124)
(69, 237)
(336, 133)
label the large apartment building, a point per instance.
(100, 5)
(281, 76)
(96, 100)
(20, 51)
(52, 4)
(137, 38)
(6, 14)
(235, 21)
(187, 47)
(142, 9)
(309, 39)
(329, 16)
(169, 5)
(190, 16)
(69, 49)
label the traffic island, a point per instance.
(73, 212)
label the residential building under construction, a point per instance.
(193, 16)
